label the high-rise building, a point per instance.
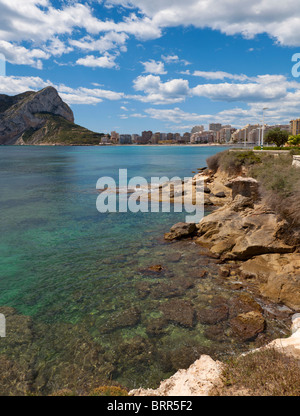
(125, 139)
(215, 126)
(134, 138)
(147, 135)
(114, 137)
(224, 135)
(295, 127)
(197, 129)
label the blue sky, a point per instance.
(133, 65)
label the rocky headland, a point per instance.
(41, 118)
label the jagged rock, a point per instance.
(181, 230)
(247, 187)
(220, 195)
(40, 117)
(248, 325)
(243, 234)
(278, 277)
(200, 378)
(178, 311)
(22, 114)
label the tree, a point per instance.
(277, 136)
(294, 140)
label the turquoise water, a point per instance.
(80, 275)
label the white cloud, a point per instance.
(37, 22)
(174, 59)
(21, 56)
(218, 75)
(280, 20)
(105, 61)
(154, 67)
(159, 92)
(109, 41)
(241, 92)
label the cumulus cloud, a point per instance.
(154, 67)
(214, 75)
(37, 22)
(109, 41)
(22, 56)
(174, 59)
(45, 30)
(160, 92)
(280, 20)
(254, 89)
(105, 61)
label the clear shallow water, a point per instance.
(80, 275)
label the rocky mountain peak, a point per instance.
(20, 113)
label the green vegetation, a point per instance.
(271, 148)
(263, 373)
(232, 162)
(58, 130)
(279, 179)
(277, 136)
(109, 391)
(294, 140)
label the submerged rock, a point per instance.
(156, 327)
(179, 312)
(248, 325)
(214, 315)
(128, 318)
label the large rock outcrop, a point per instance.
(20, 112)
(40, 118)
(240, 231)
(278, 277)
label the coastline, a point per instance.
(265, 273)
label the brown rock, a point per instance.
(247, 187)
(128, 318)
(212, 316)
(243, 303)
(181, 230)
(179, 311)
(247, 326)
(143, 289)
(156, 327)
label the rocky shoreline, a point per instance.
(255, 256)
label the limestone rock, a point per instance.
(241, 234)
(21, 115)
(198, 380)
(181, 230)
(289, 346)
(247, 187)
(278, 277)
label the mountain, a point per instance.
(41, 118)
